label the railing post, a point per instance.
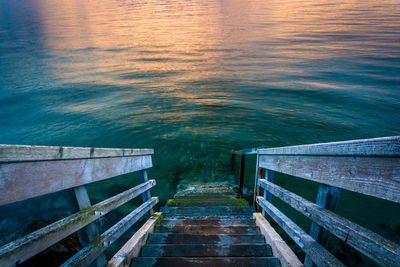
(241, 176)
(269, 175)
(256, 184)
(142, 174)
(91, 230)
(327, 198)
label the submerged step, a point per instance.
(206, 250)
(226, 222)
(207, 201)
(206, 261)
(208, 229)
(206, 211)
(208, 217)
(170, 238)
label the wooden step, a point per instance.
(206, 250)
(207, 201)
(206, 261)
(208, 217)
(233, 222)
(206, 211)
(207, 195)
(208, 229)
(164, 238)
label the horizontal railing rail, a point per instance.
(45, 175)
(30, 171)
(369, 166)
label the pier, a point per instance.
(206, 225)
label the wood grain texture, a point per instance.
(19, 181)
(132, 247)
(383, 146)
(22, 249)
(374, 176)
(89, 253)
(374, 246)
(20, 153)
(318, 253)
(91, 230)
(279, 247)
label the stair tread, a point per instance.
(208, 211)
(207, 217)
(207, 250)
(172, 238)
(210, 229)
(206, 261)
(227, 222)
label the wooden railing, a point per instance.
(370, 167)
(242, 153)
(30, 171)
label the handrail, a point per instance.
(368, 166)
(243, 153)
(30, 171)
(247, 151)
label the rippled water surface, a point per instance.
(195, 79)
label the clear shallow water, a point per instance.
(195, 79)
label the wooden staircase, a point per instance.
(206, 225)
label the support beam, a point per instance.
(91, 230)
(385, 252)
(327, 198)
(242, 169)
(22, 249)
(89, 253)
(279, 247)
(318, 253)
(132, 248)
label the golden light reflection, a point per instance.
(168, 46)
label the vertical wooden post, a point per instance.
(91, 230)
(241, 176)
(142, 174)
(269, 175)
(326, 198)
(256, 184)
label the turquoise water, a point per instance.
(195, 79)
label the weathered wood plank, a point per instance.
(374, 246)
(374, 176)
(91, 230)
(279, 247)
(241, 173)
(22, 249)
(19, 181)
(142, 175)
(132, 247)
(326, 198)
(383, 146)
(17, 153)
(318, 253)
(89, 253)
